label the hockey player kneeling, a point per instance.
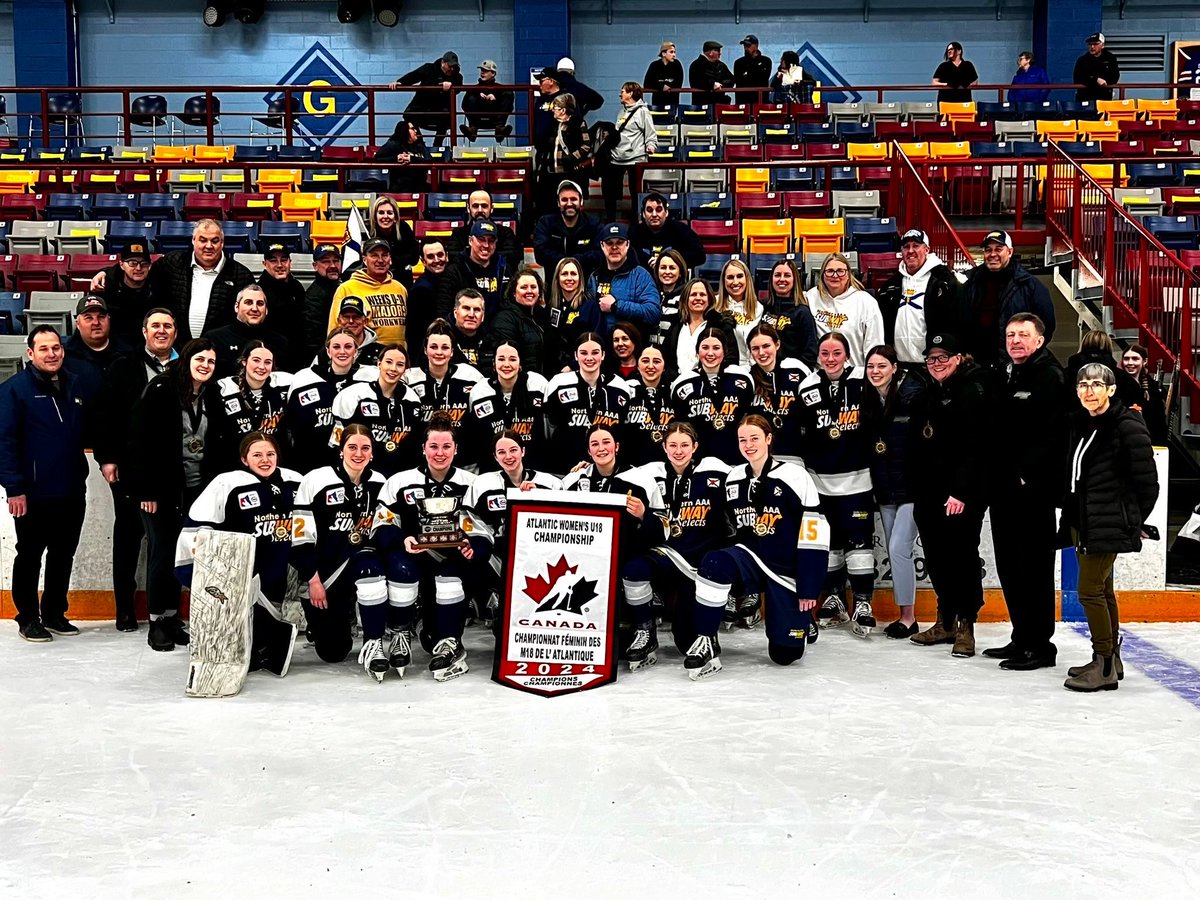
(335, 507)
(256, 501)
(397, 532)
(781, 550)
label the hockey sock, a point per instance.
(451, 614)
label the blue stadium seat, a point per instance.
(695, 115)
(157, 207)
(664, 115)
(762, 264)
(508, 206)
(242, 237)
(251, 153)
(711, 153)
(89, 154)
(709, 206)
(989, 149)
(293, 234)
(5, 228)
(121, 234)
(778, 133)
(174, 235)
(320, 180)
(1047, 110)
(841, 178)
(444, 207)
(995, 109)
(796, 178)
(871, 235)
(297, 153)
(68, 206)
(847, 131)
(816, 131)
(1149, 175)
(1081, 148)
(12, 313)
(1029, 148)
(366, 180)
(676, 203)
(710, 269)
(114, 206)
(1078, 109)
(1175, 232)
(439, 154)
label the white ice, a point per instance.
(871, 769)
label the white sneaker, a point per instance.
(373, 659)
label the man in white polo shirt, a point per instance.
(200, 285)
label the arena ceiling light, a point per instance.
(387, 12)
(248, 12)
(214, 14)
(350, 10)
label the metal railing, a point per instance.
(1148, 286)
(916, 207)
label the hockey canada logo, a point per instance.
(558, 591)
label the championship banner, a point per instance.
(1185, 68)
(558, 618)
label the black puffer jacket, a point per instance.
(1113, 481)
(525, 328)
(1028, 428)
(951, 456)
(893, 427)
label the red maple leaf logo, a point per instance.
(538, 588)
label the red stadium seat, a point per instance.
(23, 207)
(800, 204)
(199, 205)
(744, 153)
(732, 114)
(781, 152)
(934, 131)
(335, 153)
(252, 207)
(84, 265)
(877, 268)
(42, 273)
(895, 131)
(717, 236)
(974, 131)
(759, 206)
(425, 230)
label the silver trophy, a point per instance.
(440, 523)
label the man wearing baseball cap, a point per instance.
(622, 289)
(126, 292)
(921, 298)
(89, 350)
(709, 77)
(385, 300)
(488, 107)
(996, 290)
(568, 232)
(1097, 70)
(479, 266)
(431, 109)
(285, 300)
(327, 271)
(751, 69)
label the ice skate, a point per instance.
(749, 611)
(449, 660)
(833, 612)
(864, 619)
(729, 619)
(703, 658)
(373, 659)
(399, 652)
(814, 631)
(643, 651)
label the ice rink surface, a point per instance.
(870, 769)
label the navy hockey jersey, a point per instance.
(332, 520)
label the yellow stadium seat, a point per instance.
(1099, 131)
(203, 153)
(1104, 173)
(277, 180)
(751, 181)
(957, 112)
(873, 152)
(950, 149)
(298, 206)
(328, 232)
(17, 181)
(1118, 110)
(164, 153)
(917, 151)
(1158, 110)
(771, 236)
(1057, 129)
(818, 235)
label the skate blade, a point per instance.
(451, 672)
(708, 670)
(646, 663)
(398, 665)
(747, 624)
(862, 631)
(378, 676)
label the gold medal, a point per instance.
(282, 533)
(719, 424)
(356, 538)
(676, 529)
(880, 447)
(777, 422)
(656, 436)
(760, 529)
(835, 433)
(390, 446)
(927, 431)
(195, 445)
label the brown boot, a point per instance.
(1080, 671)
(1101, 678)
(937, 633)
(964, 640)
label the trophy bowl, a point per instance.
(439, 521)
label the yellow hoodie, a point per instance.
(385, 302)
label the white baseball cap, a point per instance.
(566, 64)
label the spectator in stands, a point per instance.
(587, 100)
(627, 344)
(839, 302)
(198, 286)
(786, 308)
(1111, 493)
(479, 267)
(90, 350)
(568, 293)
(467, 331)
(479, 205)
(428, 108)
(422, 297)
(127, 293)
(1154, 401)
(637, 138)
(385, 300)
(545, 126)
(568, 156)
(663, 75)
(920, 299)
(670, 273)
(487, 108)
(43, 470)
(567, 232)
(621, 289)
(996, 290)
(751, 69)
(285, 300)
(124, 382)
(522, 321)
(318, 299)
(386, 224)
(405, 150)
(170, 466)
(659, 230)
(790, 84)
(709, 77)
(254, 322)
(1028, 74)
(1029, 437)
(1097, 70)
(955, 76)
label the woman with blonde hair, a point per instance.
(840, 303)
(567, 292)
(384, 223)
(736, 297)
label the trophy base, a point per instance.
(443, 541)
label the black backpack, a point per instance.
(605, 137)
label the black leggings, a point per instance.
(612, 185)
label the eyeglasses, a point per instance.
(135, 263)
(1094, 387)
(837, 273)
(937, 360)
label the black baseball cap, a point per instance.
(277, 250)
(945, 342)
(749, 39)
(91, 303)
(354, 305)
(322, 250)
(136, 250)
(614, 232)
(375, 244)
